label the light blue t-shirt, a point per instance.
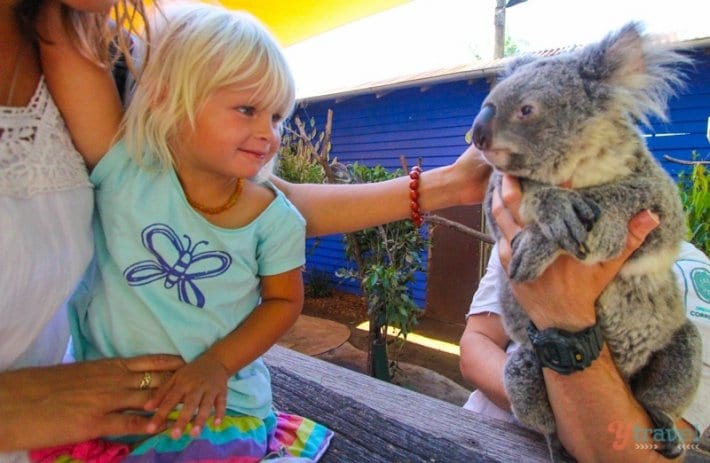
(165, 280)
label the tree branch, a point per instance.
(684, 162)
(437, 219)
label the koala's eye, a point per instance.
(526, 110)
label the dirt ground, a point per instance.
(422, 369)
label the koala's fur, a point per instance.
(571, 119)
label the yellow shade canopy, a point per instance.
(294, 20)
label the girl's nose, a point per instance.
(264, 127)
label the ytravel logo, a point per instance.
(640, 438)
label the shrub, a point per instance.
(387, 258)
(319, 284)
(297, 160)
(694, 187)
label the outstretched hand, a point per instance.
(565, 294)
(473, 171)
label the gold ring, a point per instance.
(145, 382)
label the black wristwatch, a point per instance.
(566, 352)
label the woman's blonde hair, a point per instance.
(197, 49)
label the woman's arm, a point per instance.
(596, 414)
(84, 92)
(483, 356)
(201, 384)
(346, 208)
(48, 406)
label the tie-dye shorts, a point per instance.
(238, 439)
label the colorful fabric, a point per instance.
(94, 451)
(238, 439)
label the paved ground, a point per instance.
(345, 345)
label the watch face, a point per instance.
(563, 355)
(566, 352)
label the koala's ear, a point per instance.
(618, 59)
(517, 62)
(644, 72)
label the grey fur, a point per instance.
(572, 118)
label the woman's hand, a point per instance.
(48, 406)
(565, 294)
(201, 388)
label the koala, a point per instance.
(566, 126)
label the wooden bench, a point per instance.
(378, 422)
(375, 421)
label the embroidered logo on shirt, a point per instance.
(701, 283)
(176, 263)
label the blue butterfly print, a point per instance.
(180, 267)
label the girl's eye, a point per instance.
(277, 118)
(246, 110)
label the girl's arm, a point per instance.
(84, 92)
(483, 356)
(282, 302)
(345, 208)
(201, 384)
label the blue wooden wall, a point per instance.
(431, 124)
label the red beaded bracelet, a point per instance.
(414, 174)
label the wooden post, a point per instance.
(499, 22)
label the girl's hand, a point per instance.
(471, 173)
(79, 401)
(201, 387)
(565, 294)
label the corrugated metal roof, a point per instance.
(474, 70)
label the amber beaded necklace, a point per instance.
(216, 210)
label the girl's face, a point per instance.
(232, 136)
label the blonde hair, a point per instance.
(198, 49)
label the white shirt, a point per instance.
(692, 269)
(46, 203)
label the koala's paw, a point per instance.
(566, 217)
(531, 253)
(525, 387)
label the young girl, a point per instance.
(196, 254)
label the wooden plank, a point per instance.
(375, 421)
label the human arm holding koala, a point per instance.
(595, 411)
(483, 355)
(483, 346)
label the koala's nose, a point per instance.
(483, 127)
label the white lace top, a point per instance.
(46, 203)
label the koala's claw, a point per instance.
(530, 255)
(566, 218)
(588, 212)
(582, 251)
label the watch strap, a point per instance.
(566, 352)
